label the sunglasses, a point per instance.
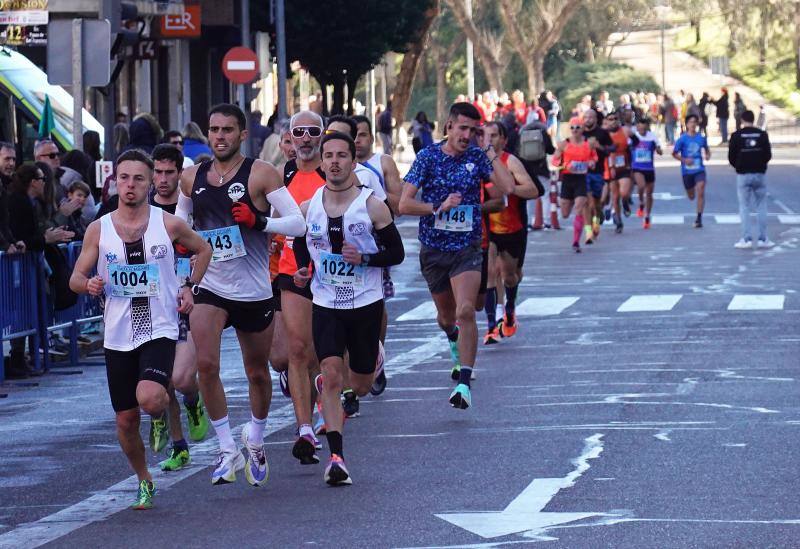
(312, 131)
(576, 127)
(178, 142)
(51, 156)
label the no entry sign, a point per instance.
(240, 65)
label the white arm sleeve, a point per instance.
(291, 221)
(184, 207)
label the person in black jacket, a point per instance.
(723, 113)
(8, 162)
(749, 152)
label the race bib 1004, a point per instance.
(335, 271)
(226, 243)
(459, 219)
(134, 280)
(643, 156)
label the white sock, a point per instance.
(256, 433)
(305, 429)
(222, 427)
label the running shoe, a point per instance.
(492, 336)
(178, 459)
(743, 244)
(589, 234)
(640, 211)
(197, 420)
(379, 384)
(305, 450)
(461, 397)
(596, 227)
(350, 403)
(227, 465)
(626, 207)
(607, 214)
(336, 474)
(144, 496)
(507, 329)
(159, 434)
(646, 223)
(256, 469)
(698, 223)
(576, 247)
(454, 373)
(766, 243)
(283, 381)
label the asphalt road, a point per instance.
(647, 400)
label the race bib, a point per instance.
(690, 163)
(643, 156)
(133, 280)
(459, 219)
(619, 161)
(335, 271)
(226, 243)
(183, 268)
(578, 167)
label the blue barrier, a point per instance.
(20, 291)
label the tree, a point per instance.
(533, 27)
(444, 44)
(338, 41)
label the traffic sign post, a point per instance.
(240, 65)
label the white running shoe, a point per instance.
(743, 244)
(766, 243)
(227, 465)
(256, 469)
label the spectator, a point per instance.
(8, 161)
(738, 109)
(385, 126)
(194, 143)
(121, 136)
(553, 114)
(258, 131)
(691, 106)
(762, 117)
(76, 166)
(271, 149)
(705, 101)
(145, 133)
(77, 192)
(535, 113)
(422, 130)
(723, 113)
(669, 113)
(174, 137)
(749, 153)
(91, 145)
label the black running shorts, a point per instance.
(573, 186)
(285, 283)
(246, 316)
(356, 331)
(151, 361)
(514, 244)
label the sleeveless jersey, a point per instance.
(337, 284)
(643, 151)
(620, 158)
(369, 179)
(512, 218)
(576, 158)
(303, 186)
(240, 263)
(141, 287)
(374, 163)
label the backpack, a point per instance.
(531, 145)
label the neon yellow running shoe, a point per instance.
(197, 420)
(159, 434)
(178, 459)
(144, 497)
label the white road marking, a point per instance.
(743, 302)
(424, 311)
(668, 219)
(545, 306)
(524, 513)
(649, 303)
(789, 219)
(728, 219)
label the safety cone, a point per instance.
(538, 222)
(554, 201)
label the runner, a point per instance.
(229, 197)
(131, 248)
(450, 174)
(577, 157)
(618, 168)
(508, 232)
(382, 164)
(644, 143)
(168, 164)
(689, 150)
(343, 221)
(600, 141)
(302, 177)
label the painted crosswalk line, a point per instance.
(644, 303)
(789, 219)
(728, 219)
(544, 306)
(423, 311)
(769, 302)
(668, 219)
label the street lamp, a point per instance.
(662, 12)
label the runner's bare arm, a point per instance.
(494, 201)
(180, 233)
(393, 181)
(409, 205)
(185, 206)
(79, 282)
(501, 177)
(523, 184)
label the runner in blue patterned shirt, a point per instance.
(449, 176)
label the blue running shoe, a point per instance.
(256, 470)
(461, 397)
(455, 372)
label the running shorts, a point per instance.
(573, 186)
(151, 361)
(690, 180)
(276, 295)
(514, 244)
(246, 316)
(649, 175)
(356, 331)
(439, 267)
(594, 184)
(285, 283)
(621, 173)
(484, 272)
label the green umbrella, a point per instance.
(46, 124)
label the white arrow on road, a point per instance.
(525, 512)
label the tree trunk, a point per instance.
(408, 70)
(538, 75)
(695, 23)
(352, 82)
(441, 90)
(338, 95)
(763, 41)
(589, 50)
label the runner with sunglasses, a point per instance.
(303, 177)
(229, 198)
(576, 157)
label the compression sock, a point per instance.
(335, 442)
(257, 426)
(511, 302)
(465, 375)
(491, 308)
(452, 335)
(577, 226)
(222, 427)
